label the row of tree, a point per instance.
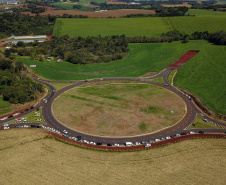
(77, 50)
(15, 87)
(218, 38)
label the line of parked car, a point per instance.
(16, 114)
(186, 95)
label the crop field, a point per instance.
(118, 108)
(28, 157)
(202, 12)
(142, 58)
(203, 75)
(149, 27)
(189, 24)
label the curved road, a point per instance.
(180, 127)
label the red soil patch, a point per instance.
(184, 58)
(105, 14)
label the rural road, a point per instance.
(180, 127)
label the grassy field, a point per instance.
(150, 27)
(200, 12)
(199, 123)
(4, 104)
(31, 117)
(189, 25)
(118, 108)
(142, 58)
(30, 158)
(68, 6)
(203, 75)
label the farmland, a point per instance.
(93, 27)
(203, 75)
(199, 161)
(118, 108)
(149, 27)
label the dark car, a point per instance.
(10, 116)
(184, 133)
(26, 110)
(201, 132)
(31, 107)
(173, 136)
(79, 137)
(33, 126)
(37, 109)
(98, 143)
(109, 144)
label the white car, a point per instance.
(191, 132)
(168, 137)
(137, 143)
(64, 131)
(157, 140)
(92, 143)
(26, 126)
(4, 118)
(147, 145)
(85, 141)
(116, 144)
(15, 114)
(6, 127)
(177, 135)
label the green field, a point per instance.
(142, 58)
(4, 104)
(150, 27)
(199, 123)
(154, 26)
(203, 75)
(202, 12)
(189, 25)
(68, 6)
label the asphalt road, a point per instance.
(180, 127)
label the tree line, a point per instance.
(218, 38)
(77, 50)
(15, 87)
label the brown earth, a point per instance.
(177, 5)
(27, 157)
(110, 13)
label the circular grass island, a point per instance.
(118, 108)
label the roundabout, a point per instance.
(118, 108)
